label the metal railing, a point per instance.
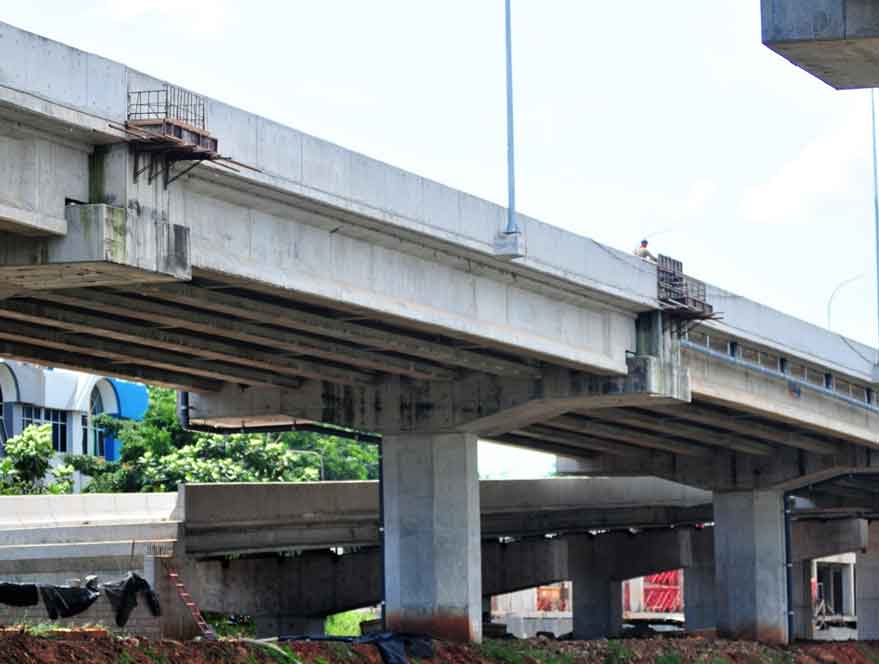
(169, 103)
(676, 289)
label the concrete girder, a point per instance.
(209, 348)
(240, 518)
(741, 389)
(243, 331)
(477, 403)
(744, 424)
(284, 316)
(560, 391)
(103, 246)
(727, 470)
(581, 450)
(819, 539)
(673, 427)
(127, 353)
(622, 434)
(177, 380)
(547, 433)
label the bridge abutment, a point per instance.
(433, 576)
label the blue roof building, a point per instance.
(70, 401)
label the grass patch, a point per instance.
(516, 652)
(346, 623)
(617, 653)
(669, 658)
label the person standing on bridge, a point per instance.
(644, 253)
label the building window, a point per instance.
(57, 418)
(3, 433)
(92, 435)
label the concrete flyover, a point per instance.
(304, 285)
(273, 551)
(834, 40)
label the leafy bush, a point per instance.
(26, 468)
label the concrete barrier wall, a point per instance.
(91, 508)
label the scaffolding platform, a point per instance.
(679, 295)
(167, 126)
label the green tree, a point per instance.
(26, 467)
(157, 454)
(343, 459)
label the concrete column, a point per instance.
(848, 590)
(700, 603)
(433, 575)
(801, 575)
(700, 611)
(750, 566)
(597, 597)
(867, 588)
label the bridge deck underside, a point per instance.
(697, 429)
(216, 330)
(199, 335)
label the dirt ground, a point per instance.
(19, 647)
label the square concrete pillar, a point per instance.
(867, 588)
(700, 612)
(848, 590)
(801, 576)
(750, 572)
(433, 568)
(597, 597)
(700, 598)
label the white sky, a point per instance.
(633, 118)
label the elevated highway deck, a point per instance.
(299, 284)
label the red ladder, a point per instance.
(206, 630)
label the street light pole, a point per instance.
(512, 226)
(838, 288)
(875, 211)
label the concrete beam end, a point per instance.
(103, 246)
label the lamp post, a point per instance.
(875, 212)
(512, 226)
(838, 288)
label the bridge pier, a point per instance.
(433, 576)
(750, 566)
(598, 598)
(867, 587)
(700, 601)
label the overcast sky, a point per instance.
(667, 119)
